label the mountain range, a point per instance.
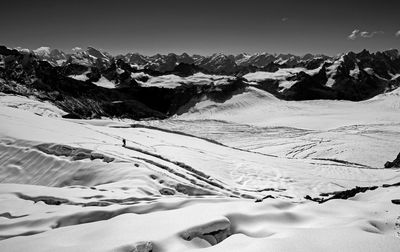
(91, 83)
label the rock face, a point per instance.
(394, 164)
(341, 194)
(75, 82)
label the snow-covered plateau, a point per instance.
(252, 173)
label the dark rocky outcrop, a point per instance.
(394, 164)
(341, 194)
(185, 70)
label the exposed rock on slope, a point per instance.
(395, 163)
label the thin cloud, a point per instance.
(397, 34)
(354, 34)
(363, 34)
(284, 19)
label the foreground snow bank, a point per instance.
(367, 222)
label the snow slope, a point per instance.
(80, 77)
(103, 82)
(282, 75)
(366, 133)
(31, 104)
(368, 145)
(173, 81)
(69, 185)
(260, 108)
(30, 137)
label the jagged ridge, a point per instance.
(90, 83)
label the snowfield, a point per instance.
(102, 82)
(173, 81)
(260, 108)
(242, 175)
(282, 75)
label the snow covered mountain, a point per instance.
(91, 83)
(237, 153)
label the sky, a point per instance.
(202, 27)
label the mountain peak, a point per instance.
(42, 51)
(95, 53)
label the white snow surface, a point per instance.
(355, 72)
(282, 75)
(31, 104)
(259, 108)
(173, 81)
(190, 183)
(42, 51)
(104, 82)
(80, 77)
